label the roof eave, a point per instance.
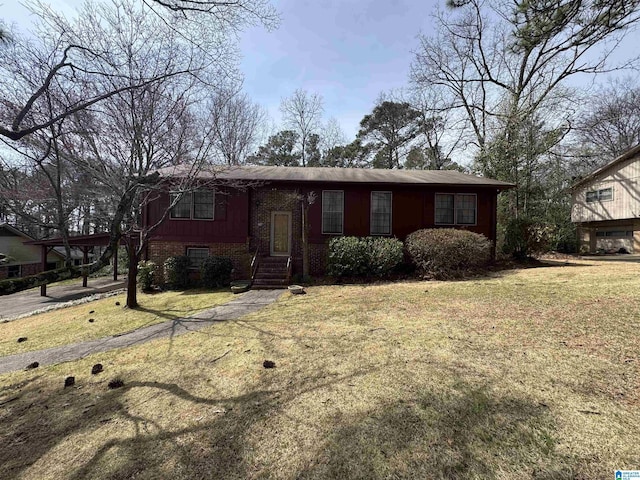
(621, 158)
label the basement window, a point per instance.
(13, 271)
(197, 256)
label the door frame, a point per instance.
(272, 234)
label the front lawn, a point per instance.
(528, 374)
(89, 321)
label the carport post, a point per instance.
(43, 261)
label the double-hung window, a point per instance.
(380, 213)
(456, 209)
(199, 205)
(333, 211)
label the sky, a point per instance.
(348, 51)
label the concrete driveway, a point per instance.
(16, 304)
(243, 304)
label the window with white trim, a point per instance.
(199, 205)
(332, 211)
(197, 256)
(465, 209)
(601, 195)
(381, 213)
(456, 208)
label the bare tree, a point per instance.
(332, 135)
(302, 113)
(123, 140)
(611, 124)
(69, 60)
(503, 66)
(237, 123)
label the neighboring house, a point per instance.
(606, 206)
(266, 217)
(20, 260)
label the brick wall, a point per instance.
(318, 256)
(159, 251)
(25, 270)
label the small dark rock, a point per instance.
(33, 365)
(91, 311)
(91, 320)
(22, 339)
(117, 304)
(268, 364)
(69, 382)
(115, 383)
(97, 368)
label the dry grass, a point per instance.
(70, 325)
(530, 374)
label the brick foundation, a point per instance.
(159, 251)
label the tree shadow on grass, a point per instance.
(450, 433)
(445, 436)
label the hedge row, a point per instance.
(436, 253)
(215, 272)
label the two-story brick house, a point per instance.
(606, 206)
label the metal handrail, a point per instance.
(289, 269)
(254, 264)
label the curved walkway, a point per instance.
(246, 303)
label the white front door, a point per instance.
(280, 233)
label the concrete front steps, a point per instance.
(271, 274)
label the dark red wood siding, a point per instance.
(230, 223)
(412, 209)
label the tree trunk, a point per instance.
(132, 291)
(305, 241)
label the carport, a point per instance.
(85, 243)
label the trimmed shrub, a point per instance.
(146, 271)
(347, 257)
(447, 252)
(216, 271)
(384, 254)
(176, 272)
(354, 256)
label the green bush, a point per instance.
(447, 252)
(176, 272)
(216, 272)
(347, 257)
(384, 255)
(146, 272)
(523, 237)
(354, 256)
